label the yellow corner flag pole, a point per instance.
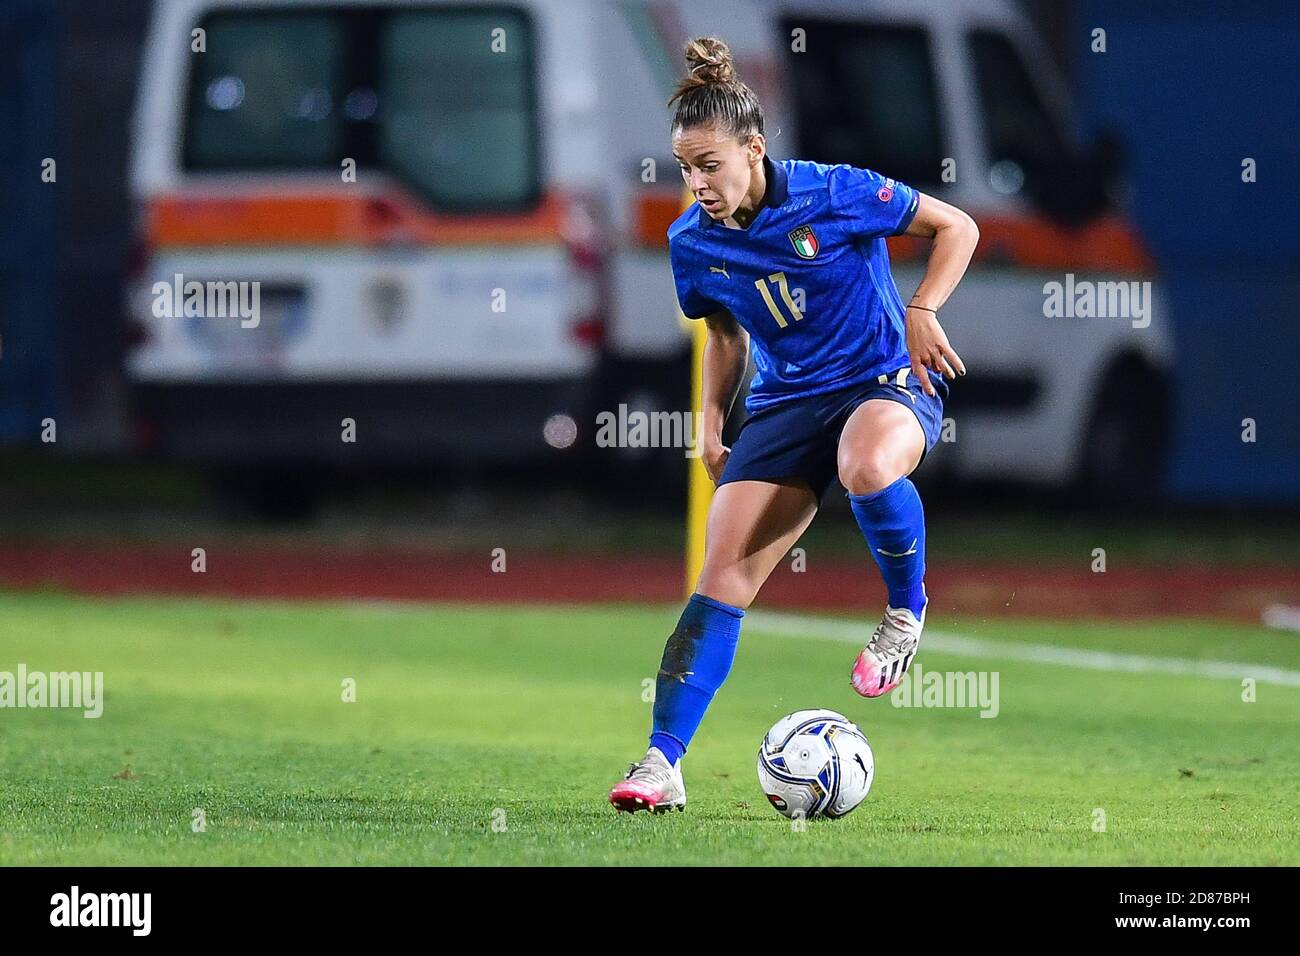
(699, 486)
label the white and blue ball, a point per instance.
(815, 763)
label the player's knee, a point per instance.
(728, 584)
(865, 473)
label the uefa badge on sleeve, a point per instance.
(805, 242)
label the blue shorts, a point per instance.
(800, 438)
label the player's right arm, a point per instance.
(726, 353)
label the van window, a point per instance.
(420, 94)
(1024, 143)
(458, 117)
(264, 92)
(865, 94)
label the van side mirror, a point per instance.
(1106, 156)
(1086, 182)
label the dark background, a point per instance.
(1190, 89)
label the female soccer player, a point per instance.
(791, 256)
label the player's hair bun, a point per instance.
(712, 92)
(710, 60)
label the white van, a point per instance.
(499, 262)
(377, 179)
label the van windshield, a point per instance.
(442, 98)
(1025, 145)
(868, 98)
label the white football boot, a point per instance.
(650, 785)
(883, 662)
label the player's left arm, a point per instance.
(955, 236)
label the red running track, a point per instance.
(342, 574)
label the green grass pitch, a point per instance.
(491, 734)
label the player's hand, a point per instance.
(714, 454)
(928, 348)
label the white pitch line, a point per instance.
(851, 632)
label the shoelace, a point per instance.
(888, 639)
(648, 773)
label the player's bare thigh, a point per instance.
(752, 525)
(881, 442)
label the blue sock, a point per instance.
(697, 659)
(892, 520)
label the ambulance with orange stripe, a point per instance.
(454, 217)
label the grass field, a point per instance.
(523, 717)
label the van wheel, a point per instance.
(1127, 438)
(276, 495)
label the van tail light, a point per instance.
(136, 330)
(587, 281)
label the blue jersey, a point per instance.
(809, 279)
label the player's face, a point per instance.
(717, 169)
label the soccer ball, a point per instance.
(815, 763)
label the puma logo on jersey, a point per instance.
(723, 269)
(902, 554)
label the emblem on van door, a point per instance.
(805, 242)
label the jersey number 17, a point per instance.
(778, 279)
